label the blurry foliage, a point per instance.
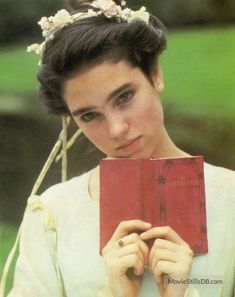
(178, 12)
(7, 235)
(25, 142)
(18, 19)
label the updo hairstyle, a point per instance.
(91, 41)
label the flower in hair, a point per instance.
(48, 25)
(61, 18)
(107, 7)
(44, 23)
(141, 14)
(51, 25)
(35, 47)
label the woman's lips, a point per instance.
(130, 144)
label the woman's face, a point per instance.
(118, 109)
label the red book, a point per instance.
(163, 192)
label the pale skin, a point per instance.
(120, 111)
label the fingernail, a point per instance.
(142, 235)
(148, 224)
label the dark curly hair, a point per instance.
(91, 41)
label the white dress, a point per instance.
(59, 248)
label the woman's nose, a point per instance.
(117, 126)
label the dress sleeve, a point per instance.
(229, 281)
(37, 271)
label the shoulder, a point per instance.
(220, 185)
(221, 175)
(66, 193)
(68, 187)
(60, 201)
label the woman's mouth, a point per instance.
(129, 145)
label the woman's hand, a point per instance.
(125, 256)
(169, 256)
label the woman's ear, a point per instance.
(157, 78)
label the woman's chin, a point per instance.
(139, 155)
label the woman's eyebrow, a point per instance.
(82, 110)
(113, 94)
(118, 91)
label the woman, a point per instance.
(100, 66)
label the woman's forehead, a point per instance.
(103, 79)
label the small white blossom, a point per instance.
(125, 14)
(102, 4)
(62, 18)
(141, 14)
(49, 221)
(44, 23)
(32, 47)
(34, 203)
(108, 7)
(91, 13)
(50, 21)
(37, 48)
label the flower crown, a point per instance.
(51, 25)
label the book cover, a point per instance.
(164, 192)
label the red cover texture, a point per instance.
(164, 192)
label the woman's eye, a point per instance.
(125, 97)
(88, 117)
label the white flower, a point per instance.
(34, 203)
(50, 21)
(91, 13)
(62, 18)
(125, 13)
(49, 221)
(44, 23)
(32, 47)
(35, 47)
(108, 7)
(141, 14)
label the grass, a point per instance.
(18, 70)
(7, 236)
(199, 71)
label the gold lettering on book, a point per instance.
(182, 181)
